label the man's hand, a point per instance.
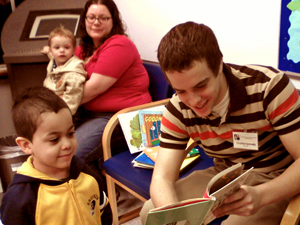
(245, 202)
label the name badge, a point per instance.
(245, 140)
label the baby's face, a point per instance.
(62, 49)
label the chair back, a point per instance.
(159, 88)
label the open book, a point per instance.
(220, 186)
(191, 212)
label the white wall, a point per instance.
(247, 31)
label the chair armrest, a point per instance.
(113, 122)
(292, 212)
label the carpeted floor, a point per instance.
(135, 221)
(126, 203)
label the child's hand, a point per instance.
(45, 50)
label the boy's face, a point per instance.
(62, 49)
(199, 88)
(54, 143)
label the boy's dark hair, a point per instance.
(118, 26)
(186, 43)
(29, 105)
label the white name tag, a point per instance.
(245, 140)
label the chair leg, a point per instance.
(111, 191)
(130, 215)
(292, 213)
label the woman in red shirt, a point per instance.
(116, 76)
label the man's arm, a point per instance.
(248, 200)
(165, 174)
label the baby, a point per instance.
(65, 72)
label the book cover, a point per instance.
(130, 124)
(150, 122)
(131, 128)
(147, 158)
(143, 161)
(192, 211)
(152, 152)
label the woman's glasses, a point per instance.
(92, 19)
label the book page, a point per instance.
(191, 211)
(224, 177)
(234, 182)
(183, 222)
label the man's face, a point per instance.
(198, 87)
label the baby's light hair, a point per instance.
(61, 31)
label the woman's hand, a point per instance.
(245, 202)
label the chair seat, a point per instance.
(138, 179)
(120, 168)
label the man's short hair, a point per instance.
(186, 43)
(61, 31)
(28, 107)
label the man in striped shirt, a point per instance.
(213, 101)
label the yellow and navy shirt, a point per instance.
(37, 199)
(262, 100)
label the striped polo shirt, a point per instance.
(262, 100)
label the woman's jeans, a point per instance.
(89, 136)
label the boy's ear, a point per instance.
(24, 144)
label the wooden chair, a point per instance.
(119, 169)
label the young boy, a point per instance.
(65, 72)
(53, 186)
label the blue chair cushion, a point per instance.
(138, 179)
(159, 88)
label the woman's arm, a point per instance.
(114, 57)
(95, 86)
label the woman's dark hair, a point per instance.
(118, 27)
